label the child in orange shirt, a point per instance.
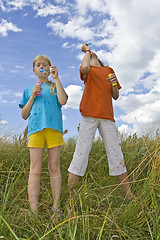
(101, 85)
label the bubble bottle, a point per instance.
(38, 93)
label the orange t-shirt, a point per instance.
(97, 96)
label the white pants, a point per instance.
(111, 139)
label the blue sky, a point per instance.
(124, 34)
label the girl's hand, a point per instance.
(54, 72)
(37, 88)
(112, 79)
(85, 47)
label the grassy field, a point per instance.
(99, 210)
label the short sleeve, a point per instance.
(24, 99)
(118, 85)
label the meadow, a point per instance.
(99, 209)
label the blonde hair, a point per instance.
(51, 84)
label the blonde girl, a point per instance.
(44, 128)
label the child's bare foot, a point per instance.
(57, 215)
(34, 208)
(129, 195)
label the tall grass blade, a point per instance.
(101, 231)
(150, 231)
(10, 228)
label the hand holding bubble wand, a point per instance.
(86, 47)
(45, 73)
(113, 79)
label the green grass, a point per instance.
(99, 210)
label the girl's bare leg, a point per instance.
(125, 185)
(36, 155)
(55, 174)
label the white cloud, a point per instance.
(8, 96)
(74, 93)
(3, 122)
(74, 28)
(18, 94)
(3, 101)
(71, 67)
(14, 71)
(14, 5)
(64, 117)
(125, 130)
(60, 1)
(5, 92)
(13, 102)
(154, 65)
(83, 6)
(3, 8)
(50, 10)
(5, 27)
(20, 67)
(149, 82)
(67, 45)
(142, 110)
(42, 8)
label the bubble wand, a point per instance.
(45, 72)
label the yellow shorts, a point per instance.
(50, 137)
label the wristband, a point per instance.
(114, 84)
(88, 51)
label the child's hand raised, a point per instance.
(54, 72)
(85, 47)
